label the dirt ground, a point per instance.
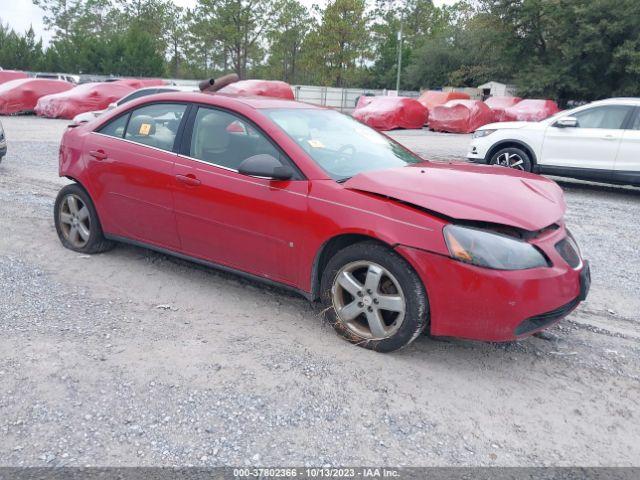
(135, 358)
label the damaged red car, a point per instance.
(310, 199)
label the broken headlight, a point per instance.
(491, 250)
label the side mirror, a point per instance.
(265, 166)
(566, 122)
(112, 106)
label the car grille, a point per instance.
(541, 321)
(569, 252)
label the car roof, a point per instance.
(260, 102)
(254, 101)
(618, 101)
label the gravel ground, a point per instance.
(135, 358)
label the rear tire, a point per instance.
(512, 157)
(373, 297)
(77, 222)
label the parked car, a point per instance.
(22, 95)
(312, 200)
(3, 143)
(75, 79)
(83, 98)
(599, 141)
(141, 92)
(8, 75)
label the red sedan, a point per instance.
(310, 199)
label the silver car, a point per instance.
(3, 143)
(142, 92)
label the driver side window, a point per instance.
(223, 139)
(610, 117)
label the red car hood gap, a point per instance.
(469, 192)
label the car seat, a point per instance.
(142, 129)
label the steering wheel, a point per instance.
(346, 151)
(340, 161)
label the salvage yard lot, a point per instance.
(135, 358)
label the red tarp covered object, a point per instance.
(460, 116)
(434, 98)
(141, 82)
(21, 96)
(263, 88)
(499, 104)
(363, 101)
(7, 75)
(387, 113)
(84, 98)
(531, 110)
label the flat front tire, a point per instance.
(77, 222)
(374, 298)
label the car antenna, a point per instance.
(214, 84)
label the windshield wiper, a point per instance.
(342, 180)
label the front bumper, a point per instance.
(539, 322)
(477, 151)
(494, 305)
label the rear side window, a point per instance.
(610, 116)
(155, 125)
(115, 128)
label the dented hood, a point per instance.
(470, 192)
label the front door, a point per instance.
(591, 145)
(130, 162)
(627, 168)
(251, 224)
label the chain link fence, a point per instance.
(343, 99)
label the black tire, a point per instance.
(512, 155)
(416, 311)
(95, 242)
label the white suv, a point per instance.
(59, 76)
(599, 141)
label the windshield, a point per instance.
(342, 146)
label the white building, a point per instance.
(497, 89)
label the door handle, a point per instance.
(609, 137)
(189, 179)
(98, 154)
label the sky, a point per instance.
(19, 14)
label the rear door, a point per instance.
(627, 166)
(591, 145)
(130, 162)
(251, 224)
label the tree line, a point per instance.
(561, 49)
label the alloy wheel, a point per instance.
(510, 160)
(75, 221)
(368, 300)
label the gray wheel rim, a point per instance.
(75, 221)
(510, 160)
(368, 300)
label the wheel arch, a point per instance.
(84, 187)
(332, 246)
(513, 143)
